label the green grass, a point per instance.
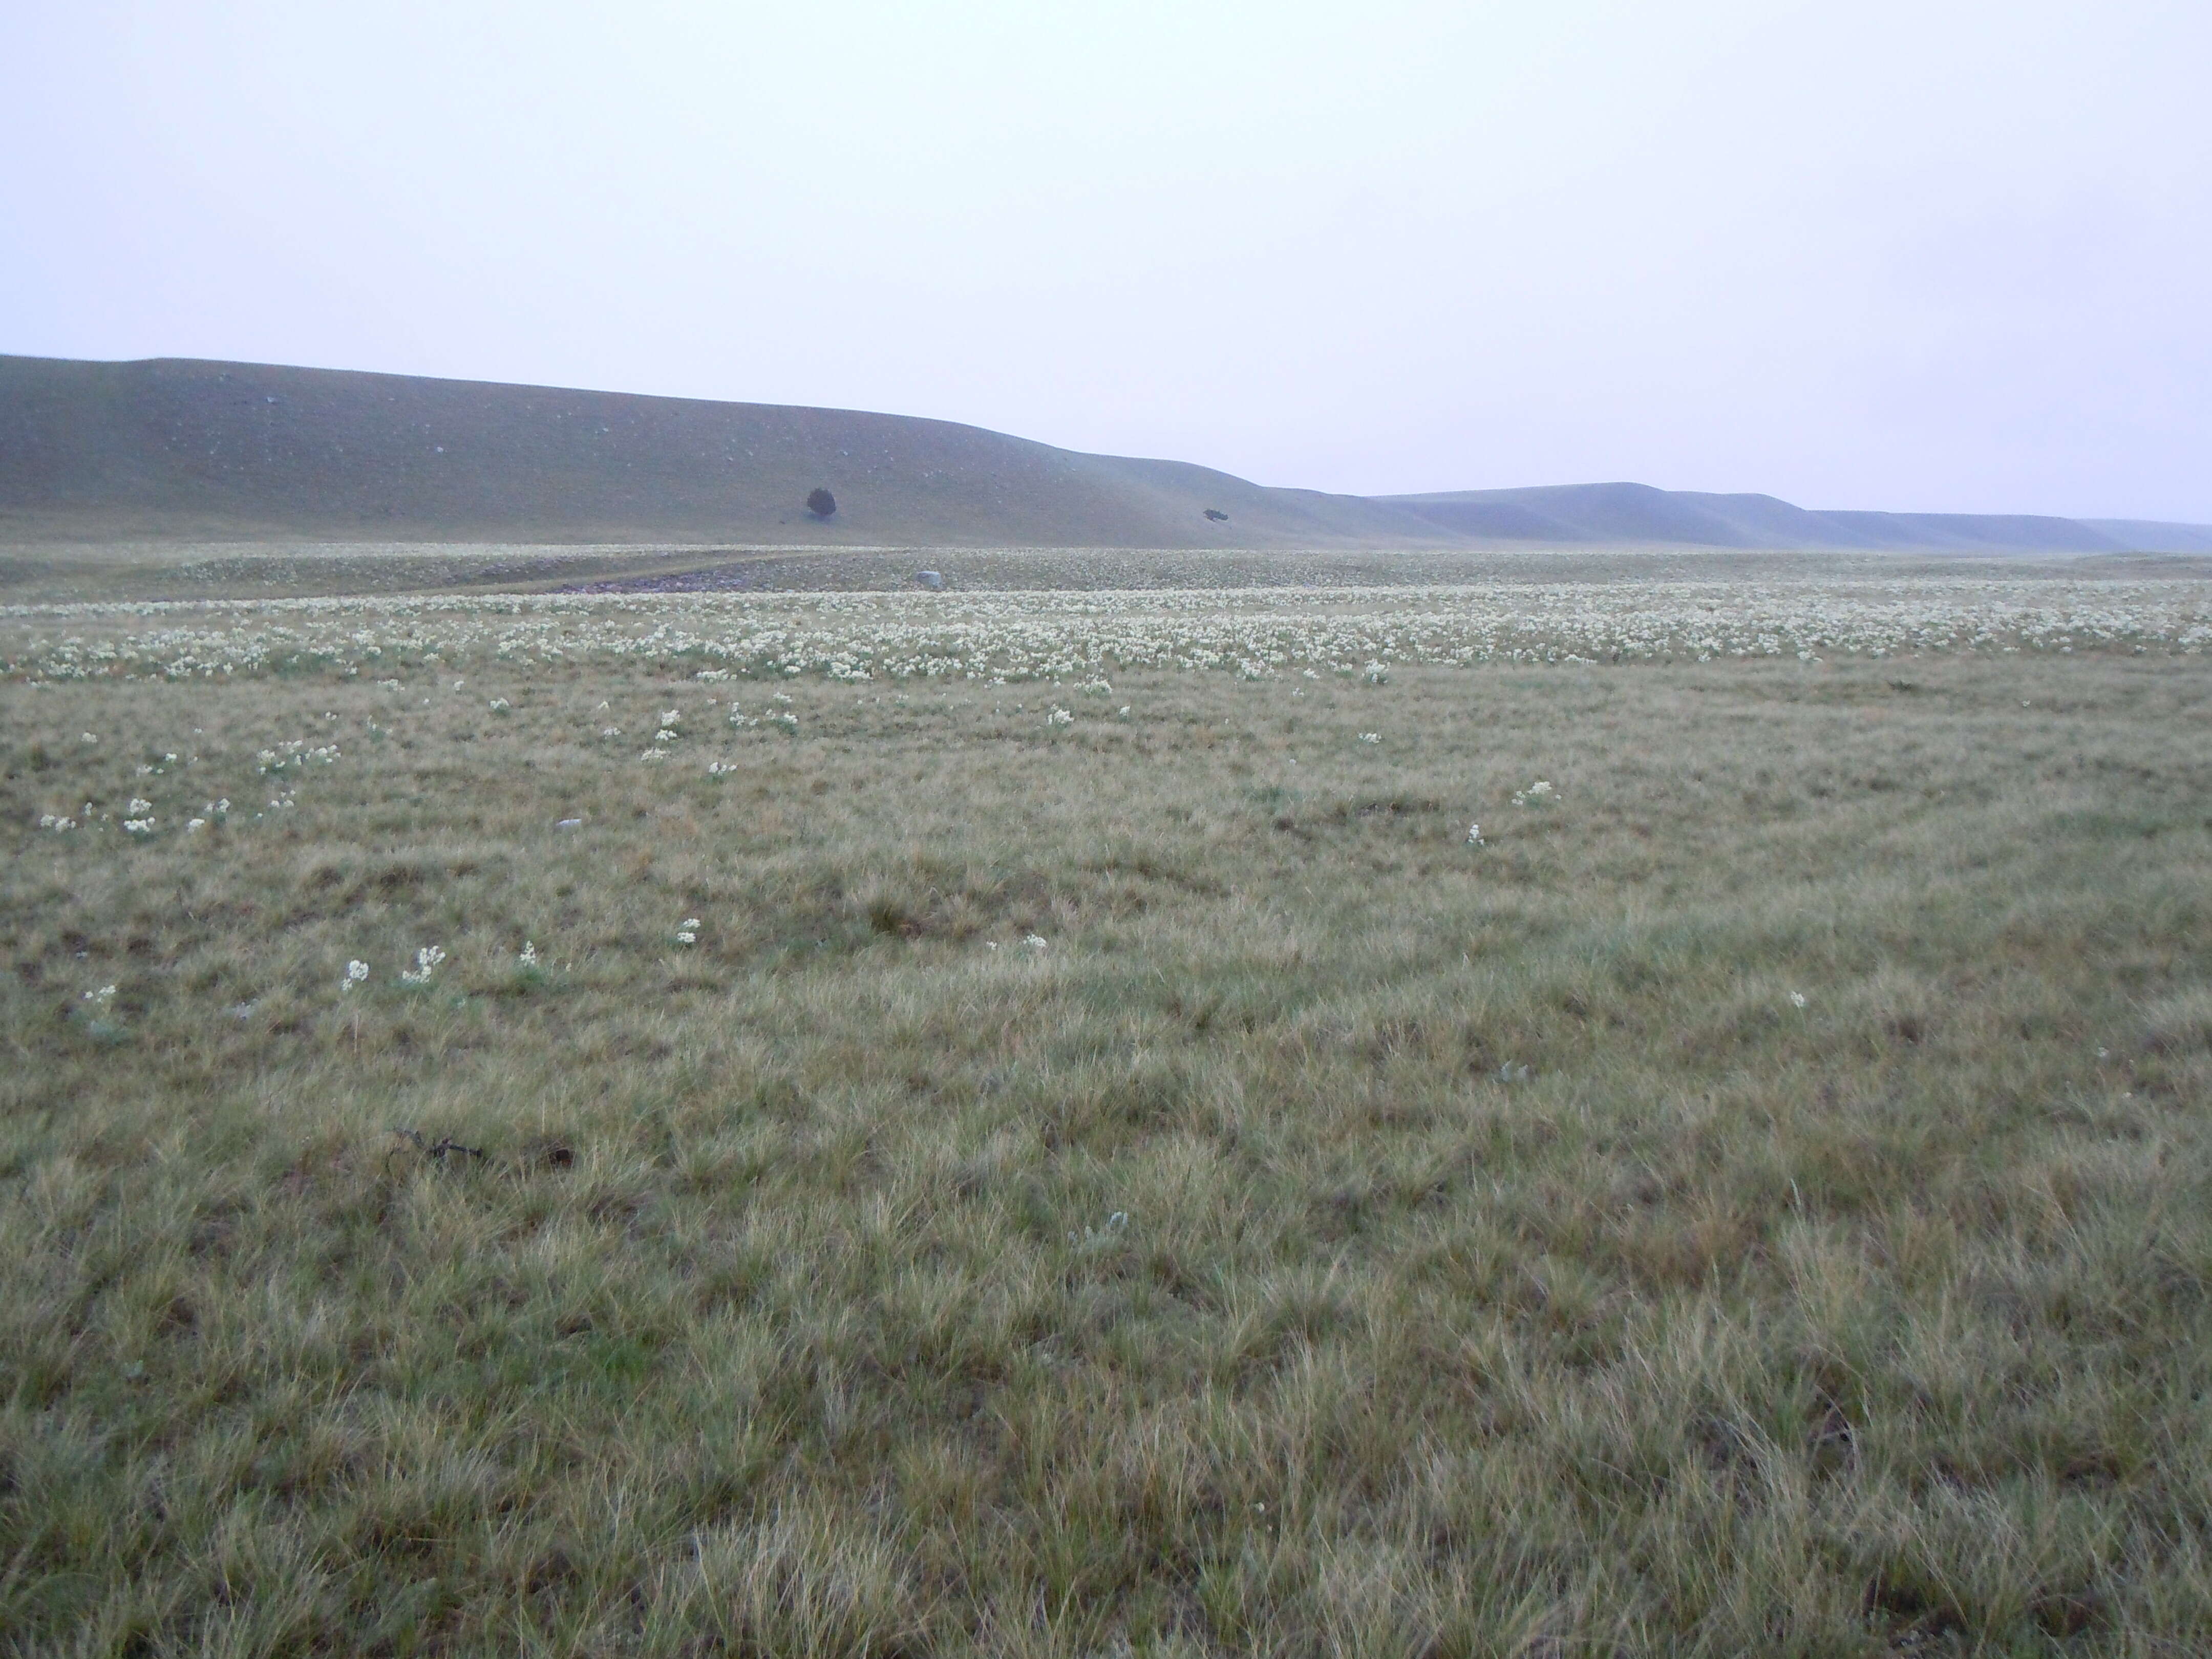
(786, 1311)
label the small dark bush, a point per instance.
(821, 503)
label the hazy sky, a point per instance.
(1926, 255)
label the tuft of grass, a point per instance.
(1756, 1201)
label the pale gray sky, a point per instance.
(1947, 254)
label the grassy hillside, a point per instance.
(182, 451)
(220, 451)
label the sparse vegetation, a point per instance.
(821, 503)
(1109, 1162)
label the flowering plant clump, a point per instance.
(425, 963)
(1060, 717)
(688, 933)
(1370, 737)
(356, 970)
(1536, 794)
(528, 956)
(1474, 836)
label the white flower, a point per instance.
(1474, 835)
(1537, 793)
(86, 737)
(1060, 717)
(195, 824)
(528, 956)
(426, 961)
(1035, 941)
(139, 826)
(501, 705)
(671, 716)
(1370, 737)
(138, 807)
(105, 994)
(1797, 998)
(356, 970)
(611, 730)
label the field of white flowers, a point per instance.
(1253, 1123)
(1036, 635)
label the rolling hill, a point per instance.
(189, 450)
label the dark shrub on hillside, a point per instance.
(821, 503)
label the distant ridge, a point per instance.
(189, 450)
(1619, 514)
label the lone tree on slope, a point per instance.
(821, 503)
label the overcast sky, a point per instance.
(1932, 255)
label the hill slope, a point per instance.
(173, 448)
(234, 449)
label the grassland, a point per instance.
(1103, 1162)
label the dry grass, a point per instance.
(788, 1310)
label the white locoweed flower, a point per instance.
(1797, 998)
(669, 717)
(139, 826)
(611, 730)
(1535, 794)
(426, 962)
(1474, 835)
(104, 995)
(1060, 717)
(688, 933)
(1370, 737)
(138, 808)
(528, 958)
(195, 824)
(501, 705)
(356, 970)
(1035, 941)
